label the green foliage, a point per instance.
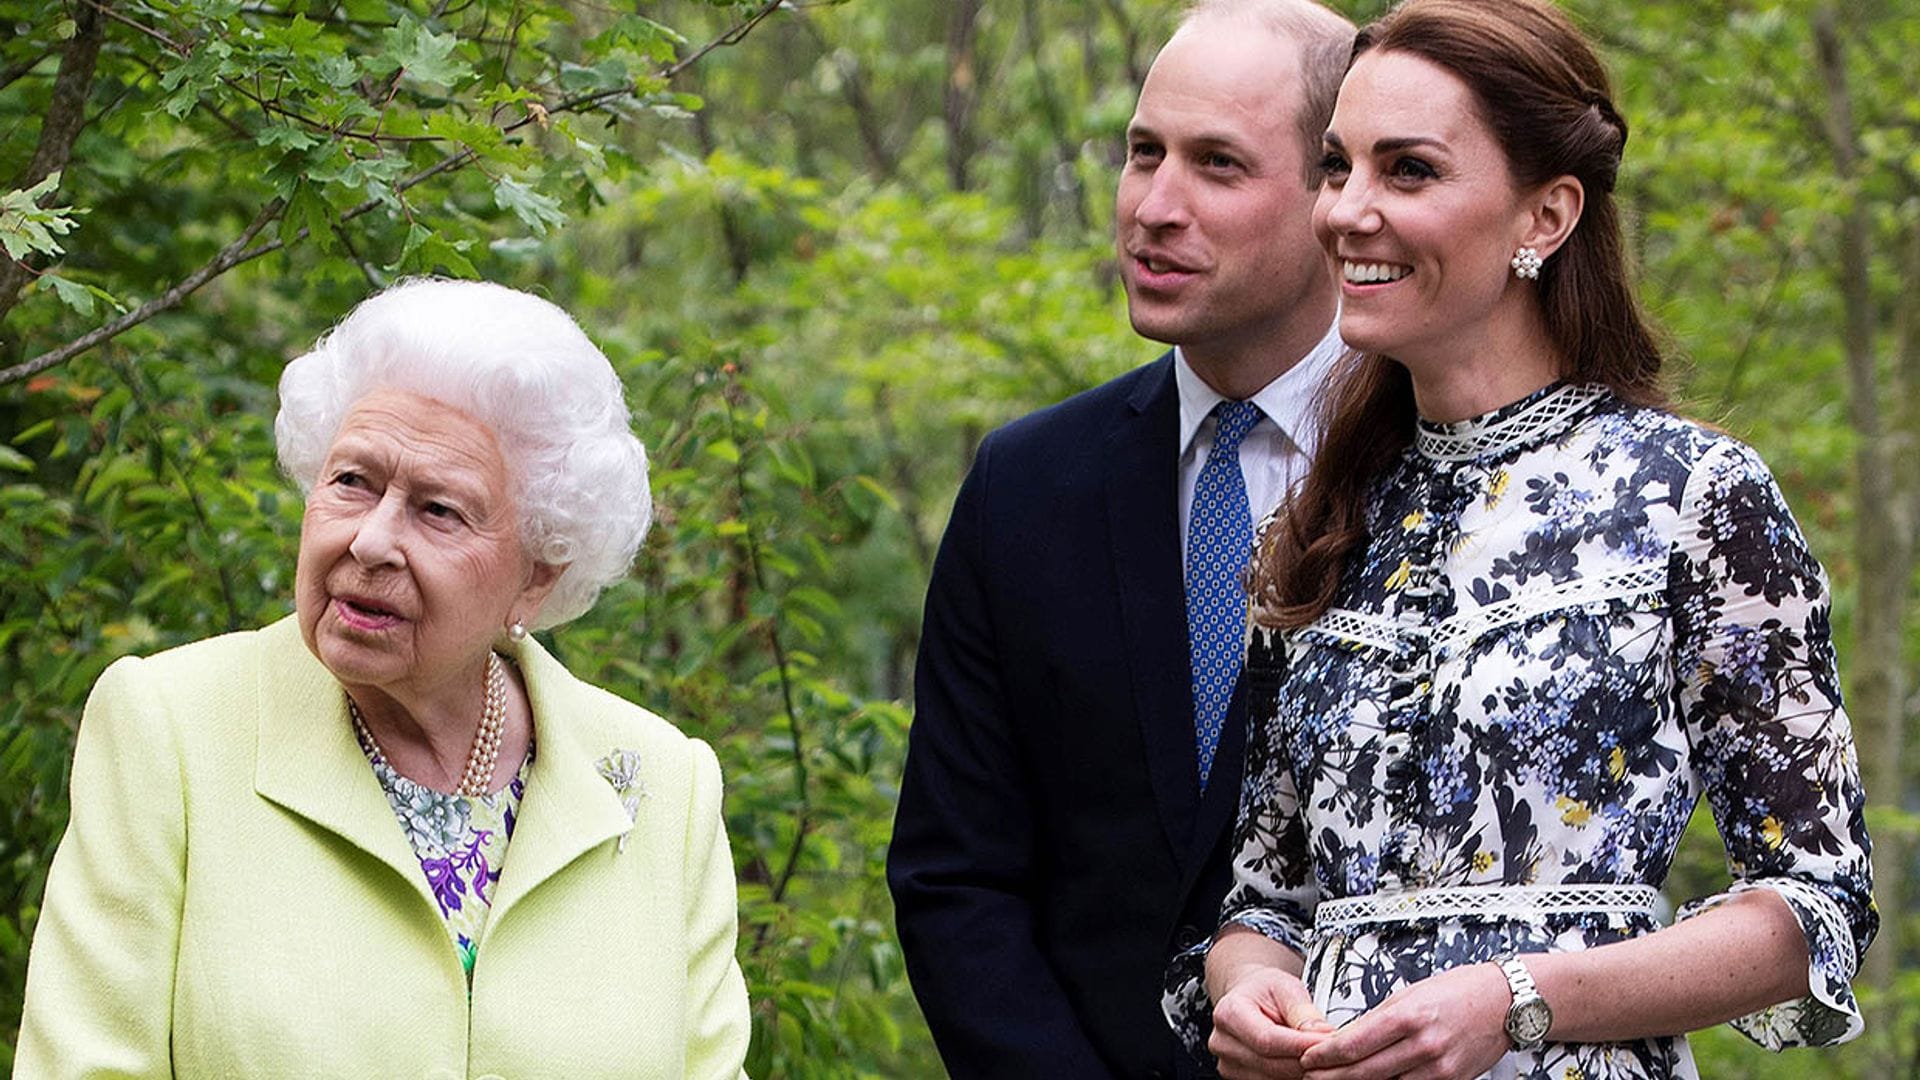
(142, 511)
(825, 262)
(28, 228)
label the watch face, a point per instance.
(1527, 1022)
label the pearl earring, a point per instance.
(517, 631)
(1526, 264)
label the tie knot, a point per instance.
(1236, 419)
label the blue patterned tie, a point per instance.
(1219, 543)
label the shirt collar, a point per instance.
(1291, 400)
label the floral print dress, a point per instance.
(1572, 617)
(461, 842)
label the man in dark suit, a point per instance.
(1074, 765)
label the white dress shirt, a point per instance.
(1275, 454)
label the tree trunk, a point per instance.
(66, 115)
(962, 91)
(1884, 528)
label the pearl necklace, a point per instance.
(486, 739)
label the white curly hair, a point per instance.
(526, 370)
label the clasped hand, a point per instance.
(1449, 1027)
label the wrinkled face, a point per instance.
(1418, 212)
(1212, 221)
(410, 555)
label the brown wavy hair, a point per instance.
(1546, 97)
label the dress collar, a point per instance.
(1545, 414)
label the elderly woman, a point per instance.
(390, 835)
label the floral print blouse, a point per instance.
(1572, 616)
(461, 842)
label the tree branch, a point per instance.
(1129, 39)
(66, 115)
(353, 253)
(147, 410)
(1762, 323)
(900, 461)
(23, 69)
(962, 91)
(881, 159)
(803, 799)
(1055, 113)
(171, 45)
(237, 252)
(229, 257)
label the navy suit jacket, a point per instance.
(1053, 846)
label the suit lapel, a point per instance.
(569, 808)
(308, 761)
(1144, 527)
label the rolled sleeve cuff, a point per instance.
(1828, 1015)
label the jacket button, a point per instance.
(1187, 936)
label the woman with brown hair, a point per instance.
(1516, 620)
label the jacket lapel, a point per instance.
(569, 808)
(1144, 527)
(308, 761)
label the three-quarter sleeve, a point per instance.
(718, 1022)
(1274, 890)
(100, 979)
(1760, 703)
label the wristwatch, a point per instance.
(1528, 1018)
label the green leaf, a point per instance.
(609, 74)
(26, 227)
(286, 136)
(539, 212)
(478, 135)
(307, 210)
(424, 56)
(71, 293)
(436, 254)
(299, 35)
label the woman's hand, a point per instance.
(1451, 1025)
(1262, 1023)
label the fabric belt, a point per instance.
(1523, 902)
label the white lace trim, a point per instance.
(1373, 631)
(1390, 635)
(1469, 439)
(1629, 583)
(1530, 902)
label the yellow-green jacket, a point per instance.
(233, 897)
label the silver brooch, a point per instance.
(622, 769)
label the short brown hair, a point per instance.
(1324, 39)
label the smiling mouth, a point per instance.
(1372, 273)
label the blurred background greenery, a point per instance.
(829, 245)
